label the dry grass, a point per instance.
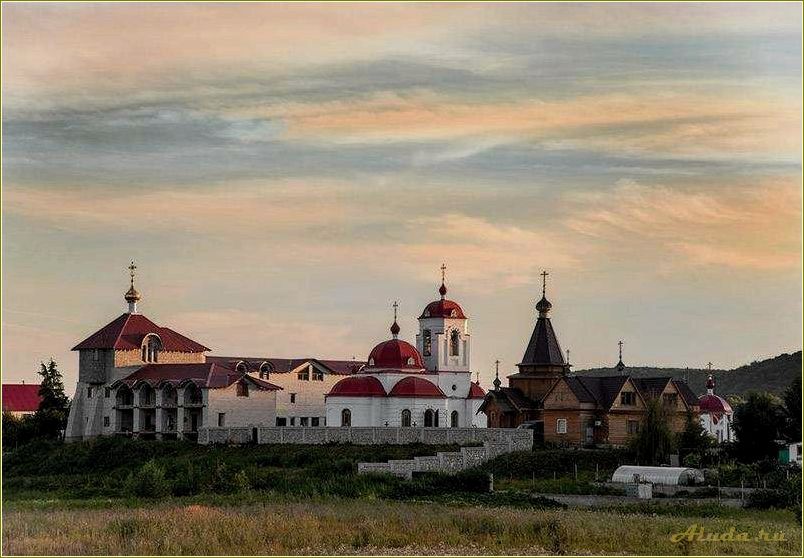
(369, 527)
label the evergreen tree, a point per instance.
(757, 425)
(51, 417)
(792, 408)
(655, 441)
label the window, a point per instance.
(106, 422)
(371, 362)
(265, 370)
(281, 421)
(561, 426)
(318, 375)
(304, 374)
(89, 393)
(107, 392)
(242, 389)
(293, 421)
(346, 417)
(453, 419)
(427, 342)
(410, 361)
(151, 346)
(628, 398)
(632, 426)
(304, 421)
(454, 342)
(314, 421)
(95, 354)
(436, 418)
(292, 397)
(241, 367)
(406, 418)
(428, 417)
(670, 399)
(221, 419)
(454, 387)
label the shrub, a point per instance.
(223, 481)
(764, 499)
(187, 482)
(148, 482)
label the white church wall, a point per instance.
(258, 409)
(308, 400)
(721, 430)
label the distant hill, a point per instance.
(773, 375)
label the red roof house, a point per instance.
(21, 398)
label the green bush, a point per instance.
(148, 482)
(764, 499)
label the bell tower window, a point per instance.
(151, 346)
(454, 342)
(427, 342)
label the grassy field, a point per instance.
(335, 526)
(82, 499)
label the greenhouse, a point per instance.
(683, 476)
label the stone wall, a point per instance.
(516, 439)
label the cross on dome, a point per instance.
(395, 326)
(544, 306)
(442, 290)
(132, 296)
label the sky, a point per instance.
(281, 173)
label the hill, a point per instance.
(773, 375)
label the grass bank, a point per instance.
(348, 526)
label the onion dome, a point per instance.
(711, 403)
(358, 386)
(411, 386)
(543, 306)
(442, 290)
(132, 295)
(395, 329)
(395, 354)
(443, 308)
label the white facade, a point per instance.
(718, 425)
(443, 347)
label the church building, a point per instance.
(569, 409)
(138, 378)
(401, 385)
(716, 414)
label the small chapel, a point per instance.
(427, 385)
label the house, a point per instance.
(21, 399)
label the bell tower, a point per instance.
(443, 338)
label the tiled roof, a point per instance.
(580, 390)
(686, 392)
(358, 386)
(127, 331)
(603, 389)
(411, 386)
(21, 398)
(543, 347)
(284, 365)
(651, 387)
(509, 399)
(475, 391)
(208, 374)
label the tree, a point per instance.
(51, 417)
(693, 439)
(757, 425)
(792, 409)
(654, 442)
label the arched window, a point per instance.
(241, 367)
(428, 417)
(435, 422)
(346, 417)
(406, 417)
(151, 346)
(147, 396)
(453, 419)
(265, 370)
(410, 361)
(242, 389)
(371, 362)
(124, 396)
(427, 342)
(454, 340)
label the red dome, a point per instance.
(358, 386)
(476, 392)
(711, 403)
(443, 309)
(411, 386)
(395, 353)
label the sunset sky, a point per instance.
(282, 173)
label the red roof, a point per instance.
(127, 332)
(412, 386)
(711, 403)
(443, 309)
(283, 365)
(210, 375)
(21, 398)
(358, 386)
(476, 392)
(396, 354)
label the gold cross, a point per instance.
(131, 268)
(544, 275)
(395, 305)
(443, 272)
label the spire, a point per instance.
(568, 360)
(395, 326)
(132, 296)
(544, 306)
(497, 381)
(443, 289)
(620, 365)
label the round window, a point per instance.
(454, 387)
